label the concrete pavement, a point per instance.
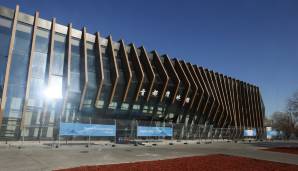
(37, 157)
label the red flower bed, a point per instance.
(291, 150)
(205, 163)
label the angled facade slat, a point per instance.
(228, 117)
(148, 69)
(51, 48)
(259, 127)
(255, 116)
(173, 76)
(192, 94)
(240, 108)
(193, 85)
(247, 106)
(114, 69)
(184, 89)
(163, 74)
(227, 91)
(224, 114)
(221, 117)
(232, 101)
(184, 80)
(29, 74)
(42, 119)
(232, 95)
(85, 68)
(214, 94)
(68, 75)
(244, 107)
(251, 106)
(243, 114)
(238, 104)
(138, 69)
(100, 64)
(223, 81)
(200, 91)
(261, 114)
(256, 108)
(237, 108)
(220, 108)
(211, 96)
(127, 69)
(206, 95)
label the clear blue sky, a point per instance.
(252, 40)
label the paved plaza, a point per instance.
(41, 156)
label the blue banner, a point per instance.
(250, 133)
(272, 133)
(79, 129)
(146, 131)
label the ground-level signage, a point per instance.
(270, 133)
(146, 131)
(250, 133)
(80, 129)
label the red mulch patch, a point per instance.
(205, 163)
(291, 150)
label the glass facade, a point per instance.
(54, 88)
(17, 79)
(51, 100)
(93, 81)
(34, 110)
(5, 32)
(76, 82)
(107, 83)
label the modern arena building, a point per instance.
(52, 74)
